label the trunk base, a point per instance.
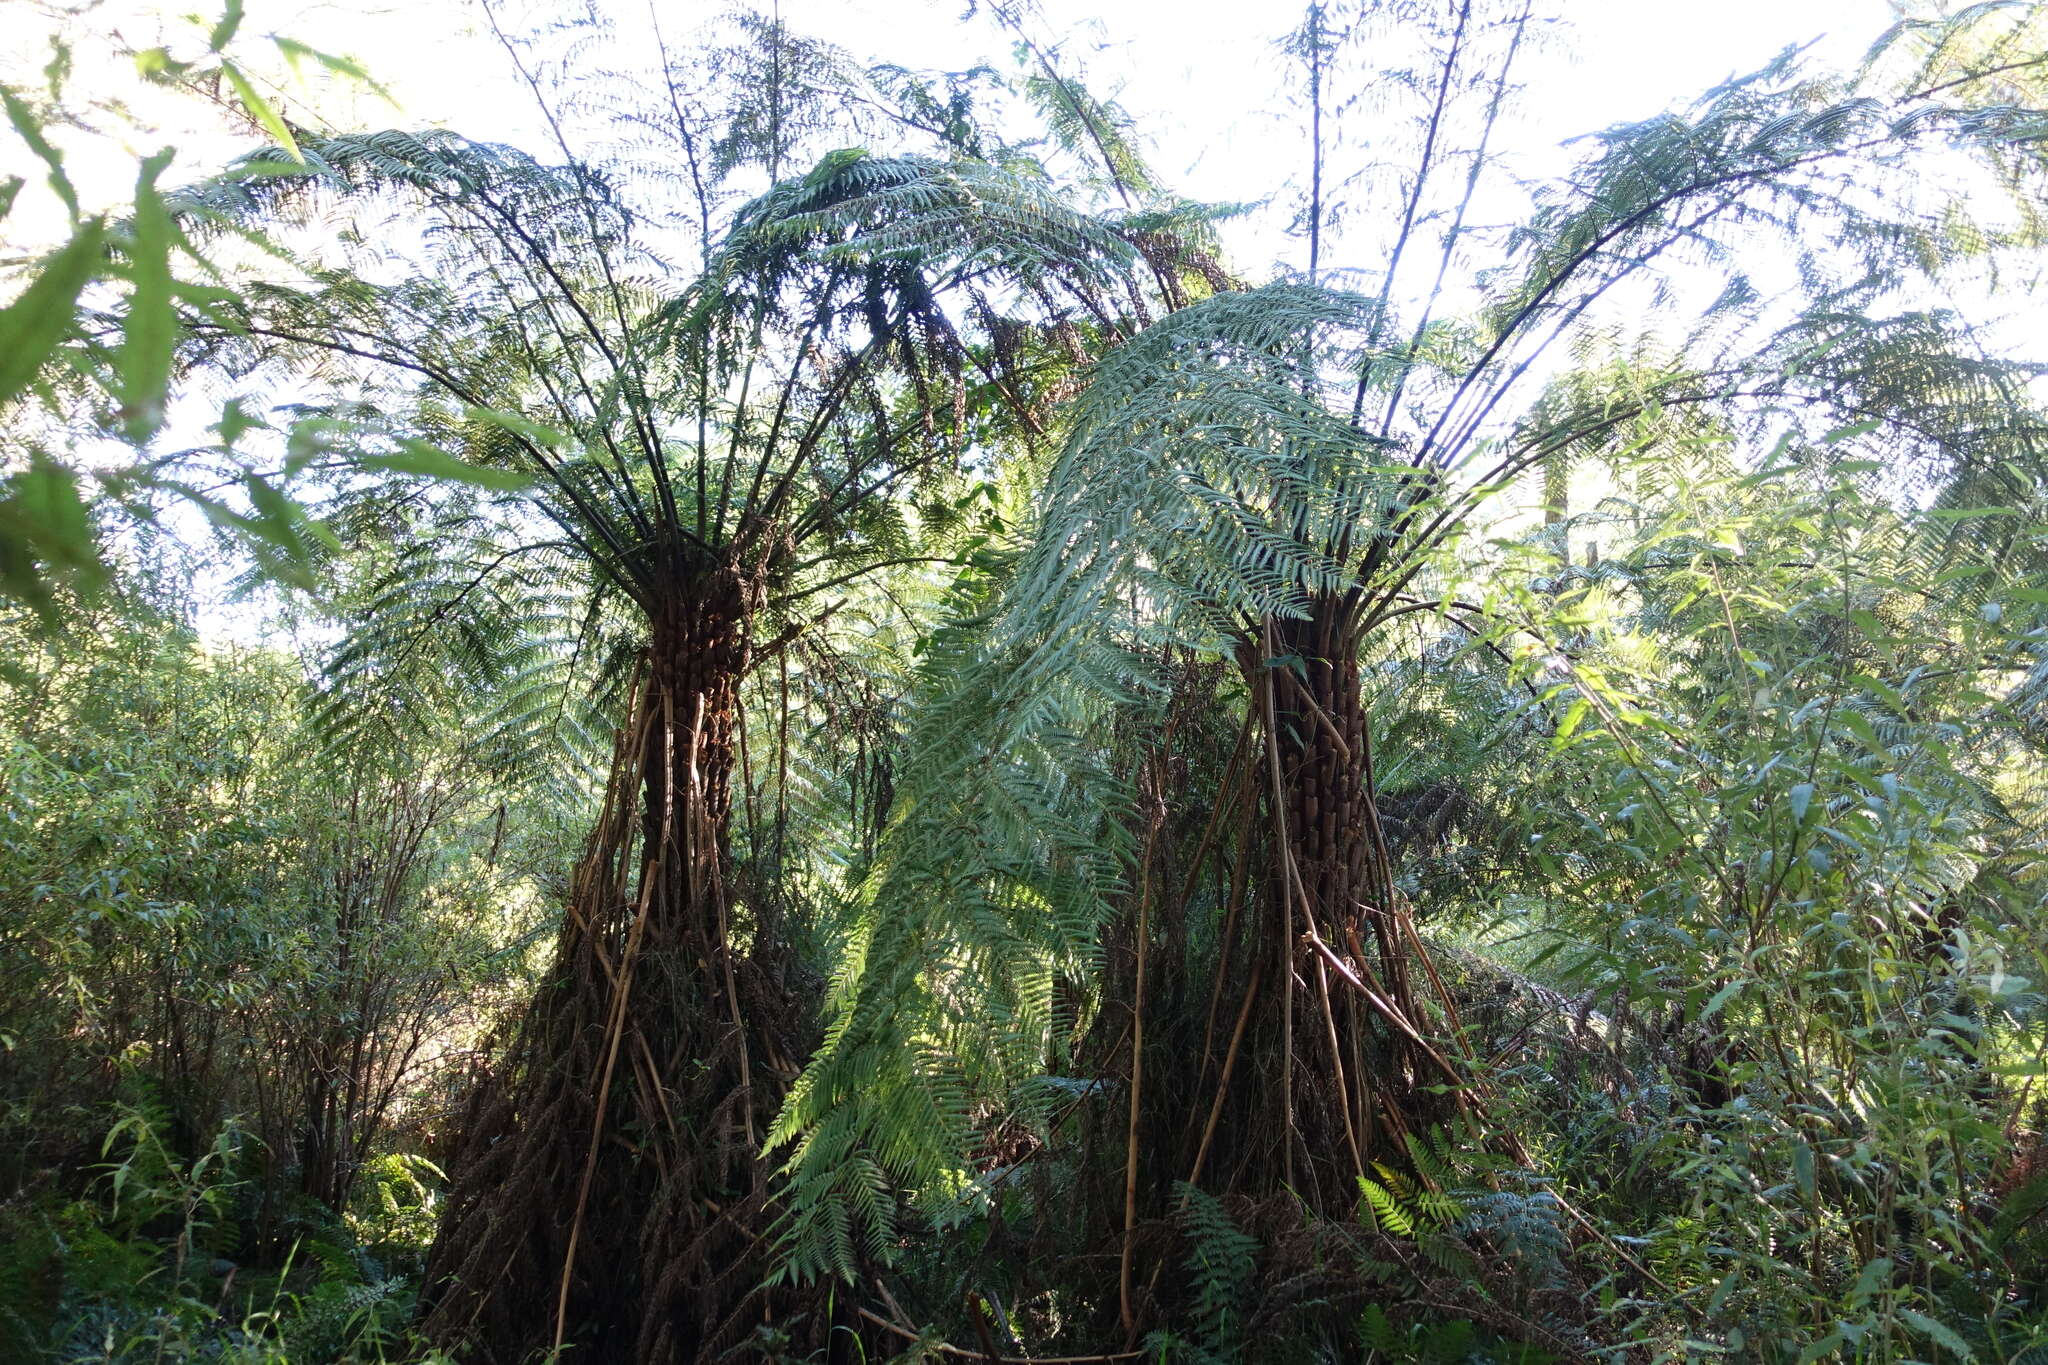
(607, 1191)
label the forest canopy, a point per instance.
(789, 708)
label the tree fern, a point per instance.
(1215, 476)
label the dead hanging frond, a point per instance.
(650, 1030)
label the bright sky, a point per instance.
(1202, 77)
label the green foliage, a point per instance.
(1217, 474)
(1800, 876)
(1221, 1263)
(1705, 648)
(1443, 1342)
(134, 272)
(1477, 1220)
(1220, 1260)
(393, 1211)
(252, 956)
(143, 1271)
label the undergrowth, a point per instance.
(155, 1261)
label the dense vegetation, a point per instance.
(865, 748)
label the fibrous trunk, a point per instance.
(607, 1191)
(1350, 1084)
(1308, 1071)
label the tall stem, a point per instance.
(1315, 138)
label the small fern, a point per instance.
(1460, 1211)
(1453, 1341)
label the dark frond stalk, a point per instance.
(1457, 228)
(1314, 44)
(641, 419)
(1155, 800)
(1425, 167)
(1007, 15)
(700, 192)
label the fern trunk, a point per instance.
(1332, 1081)
(1333, 821)
(608, 1190)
